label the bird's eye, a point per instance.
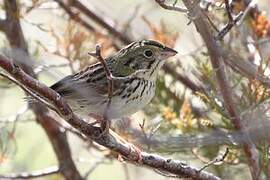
(148, 53)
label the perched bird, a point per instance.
(135, 67)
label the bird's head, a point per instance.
(146, 55)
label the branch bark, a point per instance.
(95, 133)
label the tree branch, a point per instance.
(35, 174)
(216, 57)
(185, 80)
(112, 30)
(231, 22)
(95, 133)
(174, 8)
(75, 16)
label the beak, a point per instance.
(168, 52)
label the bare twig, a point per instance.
(105, 122)
(94, 166)
(109, 75)
(218, 159)
(231, 22)
(107, 140)
(174, 8)
(75, 16)
(126, 171)
(251, 5)
(40, 99)
(42, 68)
(165, 174)
(102, 22)
(148, 137)
(244, 67)
(36, 174)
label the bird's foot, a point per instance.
(137, 151)
(104, 124)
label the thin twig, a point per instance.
(99, 20)
(231, 22)
(109, 75)
(229, 10)
(174, 8)
(165, 174)
(94, 166)
(38, 98)
(218, 159)
(36, 174)
(126, 171)
(250, 6)
(75, 16)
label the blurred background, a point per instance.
(185, 121)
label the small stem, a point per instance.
(216, 160)
(174, 8)
(109, 75)
(36, 174)
(231, 22)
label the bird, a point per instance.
(135, 68)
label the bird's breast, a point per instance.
(133, 98)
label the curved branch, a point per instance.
(174, 8)
(36, 174)
(67, 4)
(95, 133)
(112, 30)
(75, 16)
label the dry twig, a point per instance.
(36, 174)
(109, 75)
(174, 8)
(231, 22)
(216, 160)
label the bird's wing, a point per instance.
(86, 84)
